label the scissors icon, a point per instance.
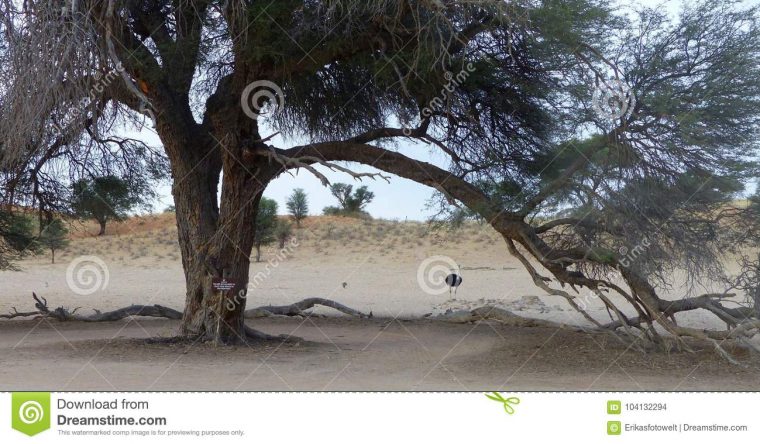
(508, 402)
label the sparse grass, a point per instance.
(151, 239)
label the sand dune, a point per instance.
(367, 265)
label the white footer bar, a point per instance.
(376, 417)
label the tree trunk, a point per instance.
(102, 227)
(53, 254)
(258, 253)
(216, 242)
(215, 236)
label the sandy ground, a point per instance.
(347, 354)
(370, 266)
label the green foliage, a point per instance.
(352, 203)
(266, 225)
(55, 236)
(283, 232)
(298, 205)
(17, 230)
(16, 238)
(106, 198)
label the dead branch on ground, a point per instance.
(159, 311)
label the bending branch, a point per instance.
(306, 163)
(159, 311)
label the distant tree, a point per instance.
(283, 232)
(298, 206)
(105, 198)
(266, 225)
(170, 209)
(16, 238)
(54, 236)
(352, 203)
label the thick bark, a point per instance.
(216, 244)
(215, 239)
(197, 213)
(196, 165)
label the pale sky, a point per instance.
(401, 199)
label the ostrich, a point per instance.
(453, 281)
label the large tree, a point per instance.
(508, 91)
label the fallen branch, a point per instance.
(297, 309)
(63, 314)
(159, 311)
